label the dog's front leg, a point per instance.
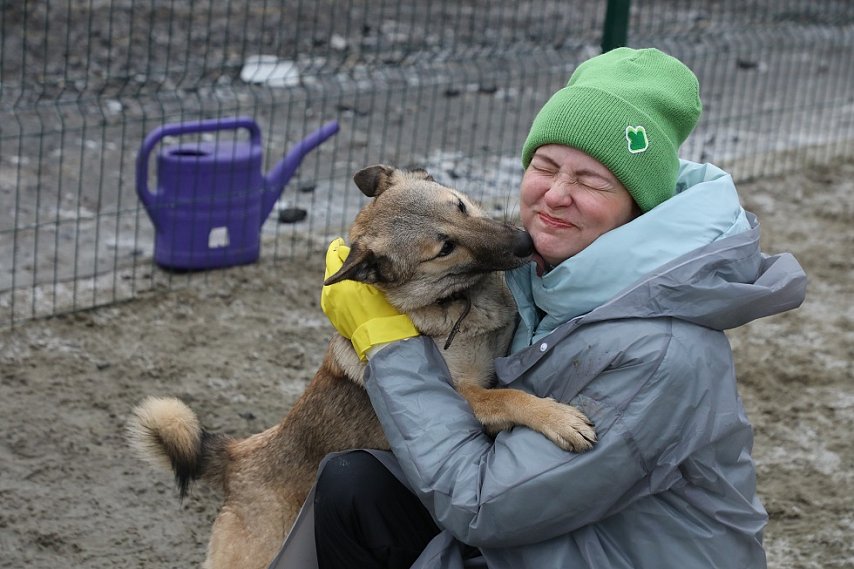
(501, 409)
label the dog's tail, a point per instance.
(165, 432)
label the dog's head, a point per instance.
(420, 241)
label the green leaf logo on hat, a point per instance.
(636, 136)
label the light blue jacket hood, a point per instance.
(705, 209)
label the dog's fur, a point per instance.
(435, 255)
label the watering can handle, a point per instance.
(176, 129)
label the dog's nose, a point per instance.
(523, 245)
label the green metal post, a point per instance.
(616, 31)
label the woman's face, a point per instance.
(568, 199)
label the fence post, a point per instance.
(616, 29)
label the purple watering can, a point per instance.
(212, 197)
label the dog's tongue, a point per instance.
(541, 264)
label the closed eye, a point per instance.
(461, 206)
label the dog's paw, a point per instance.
(567, 427)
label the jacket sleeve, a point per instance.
(518, 488)
(652, 406)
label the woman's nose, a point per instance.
(559, 193)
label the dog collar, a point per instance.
(466, 310)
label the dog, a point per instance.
(438, 258)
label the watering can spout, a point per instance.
(275, 180)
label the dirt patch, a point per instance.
(241, 345)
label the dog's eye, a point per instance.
(461, 206)
(447, 248)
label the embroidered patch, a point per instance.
(636, 137)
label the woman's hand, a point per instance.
(360, 312)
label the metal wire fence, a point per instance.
(450, 85)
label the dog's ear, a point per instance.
(360, 265)
(423, 173)
(373, 180)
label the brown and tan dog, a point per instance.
(436, 256)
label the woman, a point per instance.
(642, 261)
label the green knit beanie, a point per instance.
(631, 109)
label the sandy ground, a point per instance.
(240, 345)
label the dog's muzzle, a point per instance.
(523, 245)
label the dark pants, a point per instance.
(365, 518)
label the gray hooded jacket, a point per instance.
(670, 482)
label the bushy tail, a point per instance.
(165, 432)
